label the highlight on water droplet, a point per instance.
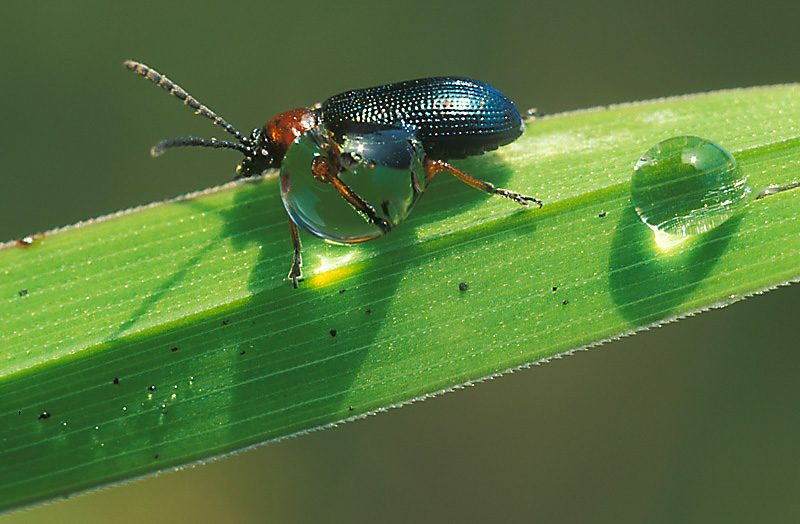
(685, 186)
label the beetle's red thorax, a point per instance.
(283, 129)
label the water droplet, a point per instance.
(685, 186)
(383, 168)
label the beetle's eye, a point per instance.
(383, 169)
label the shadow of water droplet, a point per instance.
(648, 284)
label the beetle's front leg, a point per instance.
(295, 273)
(435, 166)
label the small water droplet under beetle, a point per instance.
(352, 167)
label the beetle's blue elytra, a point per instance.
(452, 117)
(353, 167)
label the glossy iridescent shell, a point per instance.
(453, 117)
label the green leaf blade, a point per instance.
(190, 296)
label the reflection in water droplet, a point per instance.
(384, 168)
(685, 186)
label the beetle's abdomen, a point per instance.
(453, 117)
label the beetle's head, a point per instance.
(263, 149)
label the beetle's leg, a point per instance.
(295, 273)
(435, 166)
(327, 170)
(360, 205)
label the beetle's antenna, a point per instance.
(178, 92)
(181, 141)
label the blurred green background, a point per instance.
(694, 422)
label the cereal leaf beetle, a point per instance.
(353, 166)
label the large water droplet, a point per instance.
(685, 186)
(384, 168)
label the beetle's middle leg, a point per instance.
(326, 171)
(435, 166)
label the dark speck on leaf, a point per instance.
(602, 214)
(369, 311)
(44, 416)
(174, 349)
(115, 381)
(242, 352)
(565, 302)
(342, 291)
(351, 408)
(333, 332)
(155, 456)
(151, 388)
(22, 292)
(463, 286)
(226, 322)
(555, 288)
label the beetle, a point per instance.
(379, 145)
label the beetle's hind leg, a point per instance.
(435, 166)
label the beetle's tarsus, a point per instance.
(368, 213)
(516, 197)
(382, 224)
(295, 273)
